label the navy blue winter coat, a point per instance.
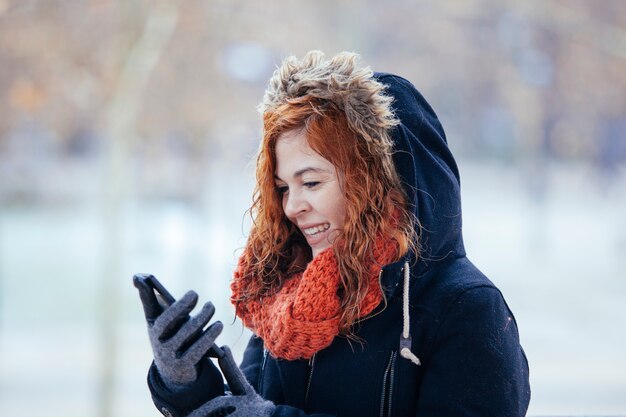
(463, 332)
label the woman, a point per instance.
(354, 279)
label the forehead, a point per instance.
(294, 154)
(293, 141)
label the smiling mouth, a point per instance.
(314, 231)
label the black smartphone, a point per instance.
(164, 298)
(150, 289)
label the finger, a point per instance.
(219, 406)
(194, 326)
(151, 307)
(200, 347)
(233, 375)
(216, 352)
(167, 324)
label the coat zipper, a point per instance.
(386, 395)
(391, 379)
(260, 383)
(308, 385)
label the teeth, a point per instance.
(317, 229)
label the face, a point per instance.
(310, 189)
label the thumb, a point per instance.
(234, 377)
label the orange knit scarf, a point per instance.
(303, 317)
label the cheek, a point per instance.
(341, 211)
(338, 209)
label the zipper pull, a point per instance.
(308, 384)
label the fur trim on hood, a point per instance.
(389, 113)
(339, 80)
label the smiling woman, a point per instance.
(354, 279)
(363, 198)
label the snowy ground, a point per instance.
(559, 261)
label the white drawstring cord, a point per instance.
(405, 338)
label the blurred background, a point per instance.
(127, 136)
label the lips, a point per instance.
(317, 234)
(315, 230)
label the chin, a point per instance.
(318, 251)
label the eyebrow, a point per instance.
(299, 173)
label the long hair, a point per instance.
(375, 206)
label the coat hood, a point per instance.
(388, 112)
(427, 169)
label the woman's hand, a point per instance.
(244, 401)
(179, 342)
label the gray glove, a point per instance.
(244, 402)
(179, 342)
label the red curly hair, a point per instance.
(375, 206)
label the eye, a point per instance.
(311, 184)
(281, 189)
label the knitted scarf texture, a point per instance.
(302, 318)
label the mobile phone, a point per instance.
(151, 290)
(163, 296)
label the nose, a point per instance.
(294, 204)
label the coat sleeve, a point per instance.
(477, 368)
(181, 402)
